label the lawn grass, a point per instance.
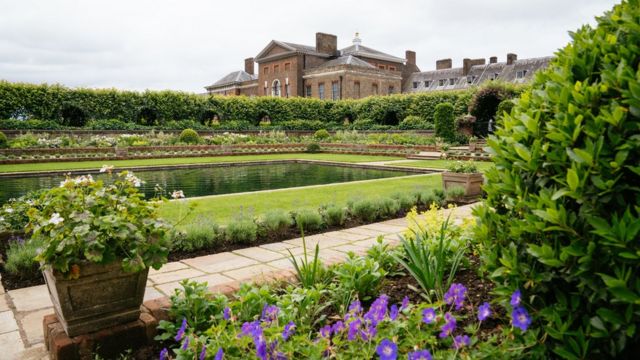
(222, 208)
(82, 165)
(440, 164)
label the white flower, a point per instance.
(83, 180)
(8, 210)
(106, 168)
(177, 194)
(56, 219)
(133, 180)
(1, 219)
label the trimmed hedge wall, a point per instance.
(68, 107)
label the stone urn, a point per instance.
(103, 296)
(470, 182)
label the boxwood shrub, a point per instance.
(562, 215)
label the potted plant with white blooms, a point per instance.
(99, 241)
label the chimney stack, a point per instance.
(468, 63)
(326, 43)
(493, 60)
(410, 56)
(249, 66)
(511, 58)
(444, 64)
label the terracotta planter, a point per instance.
(472, 183)
(103, 296)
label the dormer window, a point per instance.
(415, 84)
(521, 74)
(441, 82)
(427, 83)
(471, 79)
(452, 81)
(392, 68)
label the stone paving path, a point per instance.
(22, 310)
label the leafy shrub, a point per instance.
(321, 134)
(364, 209)
(110, 124)
(484, 104)
(302, 125)
(335, 215)
(241, 231)
(357, 278)
(308, 219)
(386, 207)
(413, 122)
(562, 216)
(3, 140)
(308, 272)
(31, 124)
(189, 136)
(405, 200)
(444, 122)
(505, 106)
(24, 141)
(182, 125)
(313, 148)
(21, 257)
(454, 193)
(463, 167)
(235, 125)
(363, 124)
(275, 221)
(196, 236)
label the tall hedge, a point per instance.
(561, 220)
(445, 122)
(76, 107)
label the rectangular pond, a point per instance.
(215, 180)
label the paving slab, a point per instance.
(348, 236)
(7, 322)
(31, 298)
(219, 262)
(259, 254)
(213, 279)
(364, 231)
(385, 228)
(11, 346)
(36, 352)
(279, 246)
(4, 305)
(251, 272)
(358, 250)
(31, 324)
(163, 278)
(168, 267)
(151, 293)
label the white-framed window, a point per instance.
(427, 83)
(441, 82)
(275, 88)
(321, 91)
(415, 84)
(520, 74)
(308, 90)
(335, 91)
(452, 81)
(471, 79)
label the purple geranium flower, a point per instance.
(185, 343)
(355, 307)
(354, 327)
(520, 318)
(289, 329)
(261, 349)
(203, 353)
(164, 354)
(449, 325)
(405, 303)
(393, 312)
(226, 314)
(269, 313)
(428, 315)
(183, 327)
(219, 354)
(420, 355)
(325, 331)
(516, 297)
(368, 332)
(337, 327)
(378, 310)
(484, 311)
(455, 295)
(387, 350)
(461, 341)
(250, 328)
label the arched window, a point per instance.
(275, 88)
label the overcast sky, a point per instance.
(185, 45)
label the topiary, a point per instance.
(321, 134)
(3, 140)
(189, 136)
(562, 216)
(313, 148)
(444, 121)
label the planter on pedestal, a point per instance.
(102, 296)
(470, 182)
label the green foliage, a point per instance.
(405, 200)
(562, 215)
(275, 221)
(463, 167)
(302, 125)
(29, 124)
(445, 122)
(334, 215)
(505, 106)
(308, 219)
(242, 230)
(313, 148)
(386, 207)
(364, 209)
(308, 272)
(455, 193)
(110, 124)
(21, 257)
(3, 140)
(189, 136)
(484, 105)
(357, 278)
(321, 134)
(83, 219)
(195, 236)
(413, 122)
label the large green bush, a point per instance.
(485, 102)
(445, 122)
(3, 140)
(189, 136)
(562, 215)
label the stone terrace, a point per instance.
(22, 310)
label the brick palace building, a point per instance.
(325, 72)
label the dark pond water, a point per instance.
(218, 180)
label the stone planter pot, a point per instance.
(472, 183)
(473, 145)
(103, 296)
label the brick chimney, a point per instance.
(326, 43)
(493, 60)
(410, 56)
(249, 66)
(511, 58)
(444, 64)
(468, 63)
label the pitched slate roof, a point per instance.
(296, 48)
(369, 53)
(234, 78)
(347, 60)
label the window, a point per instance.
(356, 89)
(452, 81)
(391, 90)
(521, 74)
(287, 66)
(495, 76)
(441, 82)
(392, 68)
(415, 84)
(286, 90)
(265, 70)
(308, 91)
(335, 90)
(275, 88)
(381, 67)
(276, 68)
(321, 90)
(471, 79)
(427, 83)
(374, 89)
